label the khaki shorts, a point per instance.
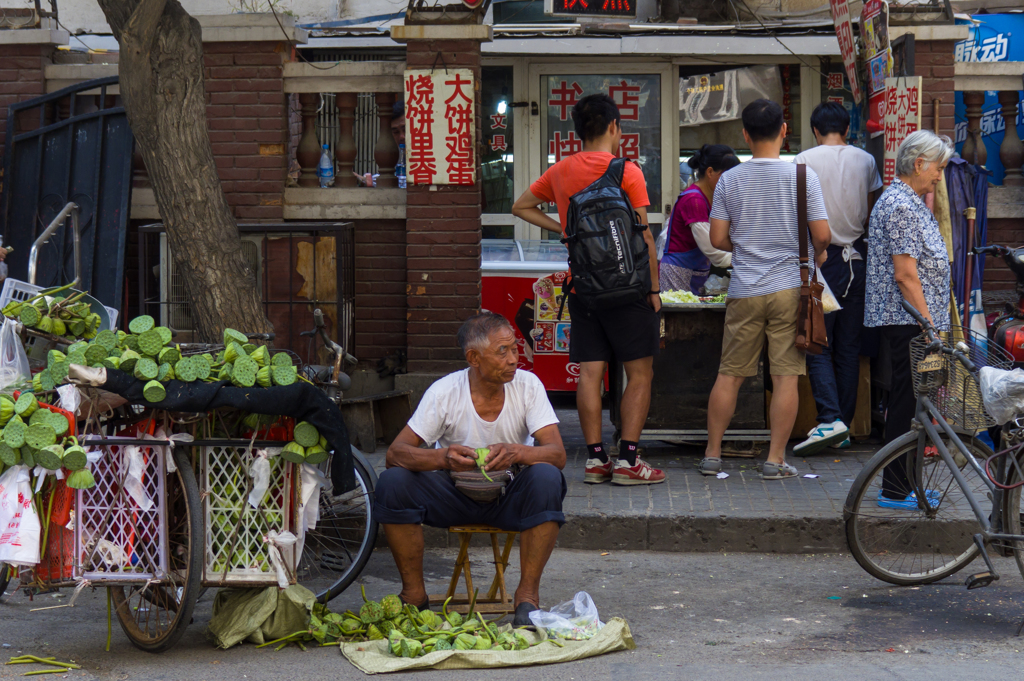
(748, 321)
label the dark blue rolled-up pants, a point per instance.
(533, 497)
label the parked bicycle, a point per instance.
(930, 502)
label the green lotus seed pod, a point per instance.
(230, 335)
(316, 455)
(81, 479)
(261, 356)
(54, 356)
(107, 339)
(29, 316)
(154, 391)
(225, 372)
(232, 352)
(131, 343)
(285, 375)
(74, 457)
(169, 356)
(293, 452)
(26, 405)
(165, 334)
(151, 342)
(141, 324)
(39, 435)
(28, 457)
(128, 360)
(95, 353)
(50, 457)
(264, 377)
(59, 423)
(281, 359)
(204, 366)
(146, 369)
(306, 434)
(9, 456)
(187, 369)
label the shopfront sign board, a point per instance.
(440, 126)
(844, 33)
(902, 117)
(591, 8)
(874, 31)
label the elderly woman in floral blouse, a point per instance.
(907, 260)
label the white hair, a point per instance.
(923, 144)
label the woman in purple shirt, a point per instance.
(688, 251)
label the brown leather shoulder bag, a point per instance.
(810, 326)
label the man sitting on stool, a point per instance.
(490, 404)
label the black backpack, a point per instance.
(608, 259)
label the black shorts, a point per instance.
(621, 333)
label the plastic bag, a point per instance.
(1002, 392)
(13, 360)
(19, 524)
(828, 299)
(716, 285)
(575, 620)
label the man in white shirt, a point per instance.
(849, 184)
(492, 405)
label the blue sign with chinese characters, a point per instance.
(993, 37)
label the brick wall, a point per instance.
(443, 247)
(1007, 232)
(933, 60)
(380, 289)
(21, 78)
(248, 120)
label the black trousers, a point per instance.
(902, 405)
(533, 497)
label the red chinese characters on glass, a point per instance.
(564, 97)
(563, 148)
(888, 170)
(498, 143)
(835, 81)
(629, 145)
(419, 112)
(627, 98)
(459, 141)
(499, 121)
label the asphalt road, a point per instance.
(693, 616)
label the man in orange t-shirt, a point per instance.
(629, 333)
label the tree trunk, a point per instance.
(162, 85)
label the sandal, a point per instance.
(777, 471)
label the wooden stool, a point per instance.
(497, 599)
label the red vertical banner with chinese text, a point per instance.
(847, 47)
(440, 126)
(902, 117)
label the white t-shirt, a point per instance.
(758, 198)
(446, 414)
(846, 174)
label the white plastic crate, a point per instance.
(115, 538)
(237, 553)
(22, 290)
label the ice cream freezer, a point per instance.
(522, 281)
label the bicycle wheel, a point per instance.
(336, 551)
(907, 546)
(154, 617)
(1012, 512)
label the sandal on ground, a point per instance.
(423, 606)
(710, 466)
(522, 617)
(777, 471)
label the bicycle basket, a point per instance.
(948, 384)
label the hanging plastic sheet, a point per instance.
(962, 180)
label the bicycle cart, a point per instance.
(190, 499)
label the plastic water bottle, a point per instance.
(400, 166)
(326, 169)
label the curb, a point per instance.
(683, 534)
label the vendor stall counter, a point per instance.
(685, 372)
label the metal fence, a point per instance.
(299, 266)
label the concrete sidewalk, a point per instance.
(693, 512)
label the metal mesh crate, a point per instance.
(237, 549)
(121, 529)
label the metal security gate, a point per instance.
(71, 145)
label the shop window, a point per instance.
(639, 100)
(496, 162)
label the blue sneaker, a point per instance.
(845, 444)
(910, 503)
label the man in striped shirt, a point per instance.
(754, 215)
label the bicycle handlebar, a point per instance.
(936, 344)
(994, 249)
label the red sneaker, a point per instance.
(598, 472)
(640, 474)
